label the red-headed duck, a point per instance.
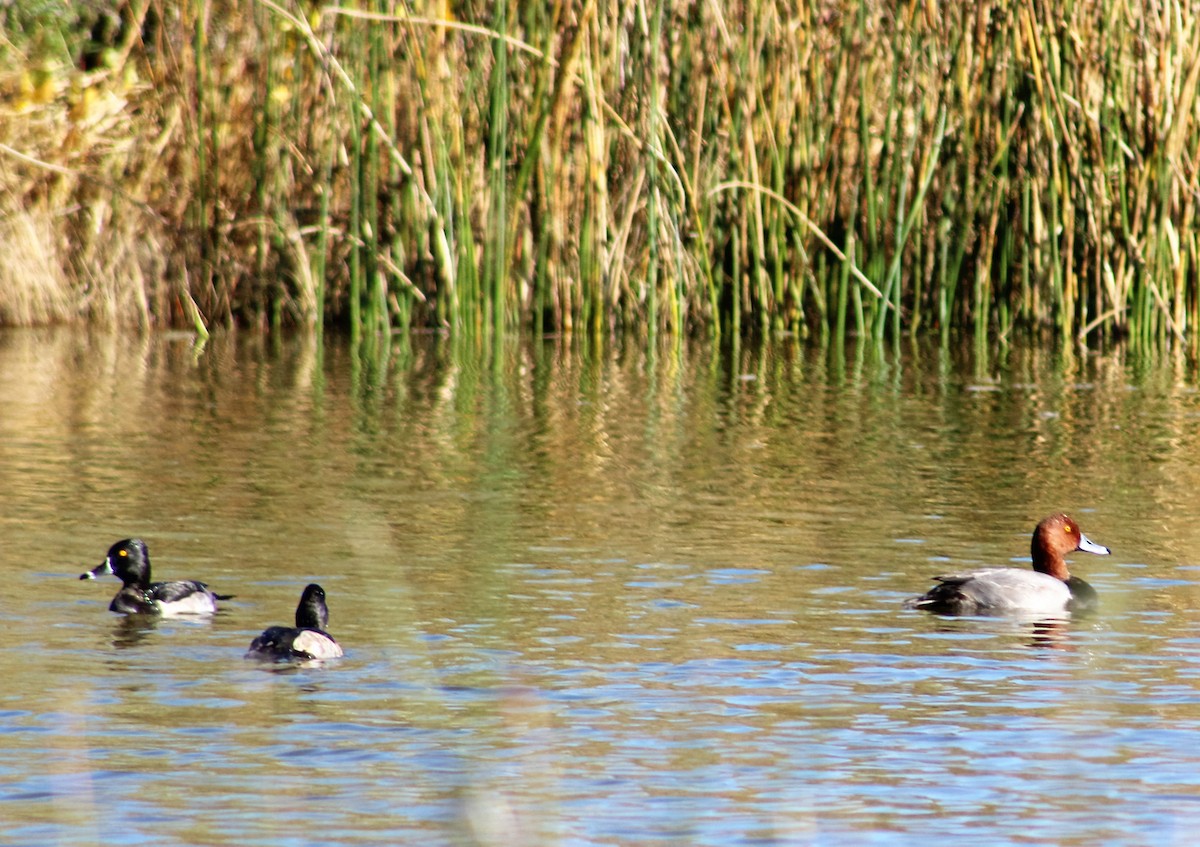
(1048, 589)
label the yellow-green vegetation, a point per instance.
(679, 166)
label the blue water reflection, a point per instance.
(593, 597)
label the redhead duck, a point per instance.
(307, 640)
(1048, 589)
(129, 561)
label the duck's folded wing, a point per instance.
(1005, 588)
(173, 592)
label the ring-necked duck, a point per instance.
(307, 640)
(129, 561)
(1048, 589)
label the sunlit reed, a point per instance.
(585, 167)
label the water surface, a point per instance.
(593, 597)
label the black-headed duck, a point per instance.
(129, 561)
(307, 639)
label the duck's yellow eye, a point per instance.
(123, 553)
(1069, 530)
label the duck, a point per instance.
(1047, 589)
(129, 561)
(307, 639)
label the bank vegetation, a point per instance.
(670, 166)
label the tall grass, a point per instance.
(667, 166)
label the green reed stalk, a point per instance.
(495, 247)
(870, 192)
(783, 291)
(205, 189)
(262, 134)
(376, 63)
(946, 283)
(653, 132)
(325, 184)
(542, 101)
(891, 281)
(355, 204)
(389, 86)
(735, 285)
(441, 135)
(843, 292)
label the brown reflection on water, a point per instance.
(462, 470)
(603, 558)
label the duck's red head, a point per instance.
(1055, 537)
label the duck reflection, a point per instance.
(1047, 633)
(1051, 634)
(131, 630)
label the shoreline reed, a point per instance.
(823, 169)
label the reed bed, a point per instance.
(833, 168)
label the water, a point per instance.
(593, 599)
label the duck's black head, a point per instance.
(312, 613)
(128, 560)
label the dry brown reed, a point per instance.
(831, 168)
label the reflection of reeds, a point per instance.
(847, 168)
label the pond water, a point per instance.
(593, 598)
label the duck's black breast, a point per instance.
(1083, 597)
(275, 641)
(133, 601)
